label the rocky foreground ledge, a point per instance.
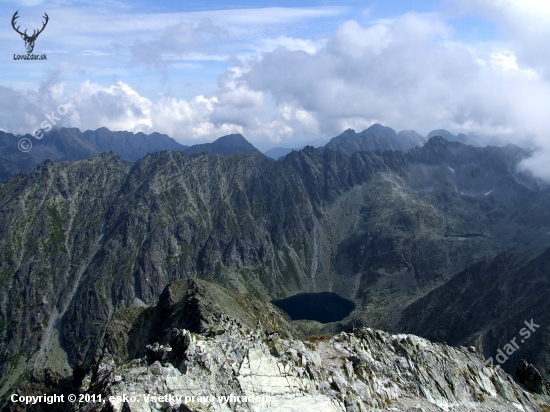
(228, 364)
(360, 371)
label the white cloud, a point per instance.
(235, 108)
(307, 120)
(291, 43)
(178, 39)
(525, 24)
(505, 60)
(119, 107)
(385, 72)
(408, 72)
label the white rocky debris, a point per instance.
(367, 370)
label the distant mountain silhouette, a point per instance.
(128, 145)
(225, 145)
(71, 144)
(278, 152)
(472, 139)
(375, 138)
(443, 133)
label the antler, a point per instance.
(42, 29)
(43, 25)
(15, 16)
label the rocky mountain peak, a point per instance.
(378, 128)
(225, 145)
(375, 138)
(349, 371)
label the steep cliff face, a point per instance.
(81, 241)
(71, 256)
(490, 305)
(242, 362)
(52, 224)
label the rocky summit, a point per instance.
(360, 371)
(234, 365)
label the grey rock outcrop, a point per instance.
(530, 377)
(162, 331)
(367, 370)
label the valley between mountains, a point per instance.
(439, 239)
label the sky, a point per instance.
(282, 73)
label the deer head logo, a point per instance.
(29, 40)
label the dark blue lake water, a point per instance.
(323, 307)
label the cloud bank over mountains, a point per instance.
(411, 71)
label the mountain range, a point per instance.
(375, 138)
(444, 240)
(70, 144)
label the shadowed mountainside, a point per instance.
(487, 305)
(82, 240)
